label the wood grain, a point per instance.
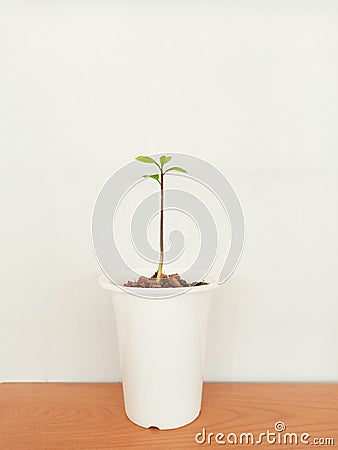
(46, 416)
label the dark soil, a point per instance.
(166, 281)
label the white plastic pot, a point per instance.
(162, 349)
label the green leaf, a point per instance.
(146, 159)
(155, 177)
(165, 160)
(179, 169)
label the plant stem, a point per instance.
(160, 265)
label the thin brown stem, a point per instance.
(160, 265)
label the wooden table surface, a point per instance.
(36, 416)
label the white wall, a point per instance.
(250, 86)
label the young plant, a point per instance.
(159, 177)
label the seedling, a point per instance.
(159, 177)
